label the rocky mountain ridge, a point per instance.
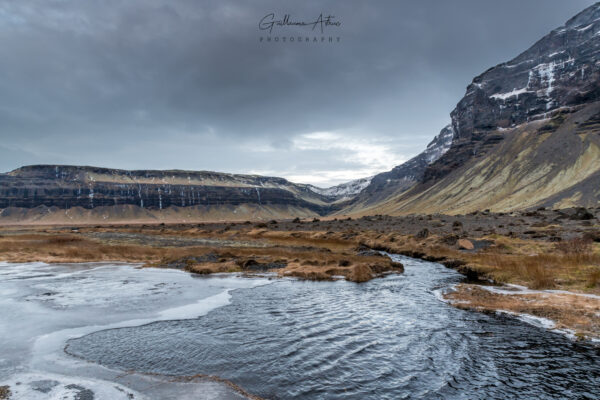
(520, 130)
(560, 71)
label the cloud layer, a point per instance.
(188, 84)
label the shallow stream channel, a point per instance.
(115, 331)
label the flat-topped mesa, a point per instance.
(99, 174)
(89, 187)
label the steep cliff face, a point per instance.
(525, 134)
(65, 187)
(559, 71)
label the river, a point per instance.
(390, 338)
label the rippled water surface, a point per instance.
(390, 338)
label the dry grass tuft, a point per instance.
(212, 268)
(4, 392)
(539, 276)
(575, 246)
(594, 279)
(360, 273)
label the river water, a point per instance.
(390, 338)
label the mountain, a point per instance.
(343, 191)
(53, 193)
(526, 134)
(404, 176)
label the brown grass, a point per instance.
(304, 254)
(360, 273)
(571, 264)
(594, 279)
(581, 246)
(213, 268)
(578, 313)
(332, 241)
(541, 271)
(63, 248)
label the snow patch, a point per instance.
(514, 92)
(343, 190)
(585, 28)
(540, 322)
(47, 386)
(555, 53)
(545, 76)
(513, 289)
(440, 144)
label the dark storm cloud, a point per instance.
(187, 83)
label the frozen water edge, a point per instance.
(540, 322)
(518, 289)
(49, 304)
(512, 289)
(42, 386)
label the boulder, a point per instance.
(465, 244)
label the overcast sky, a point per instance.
(188, 84)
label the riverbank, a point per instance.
(542, 250)
(574, 314)
(186, 247)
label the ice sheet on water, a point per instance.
(44, 386)
(45, 305)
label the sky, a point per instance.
(197, 85)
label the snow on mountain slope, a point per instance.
(439, 145)
(343, 190)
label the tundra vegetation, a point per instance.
(544, 250)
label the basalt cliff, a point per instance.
(52, 193)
